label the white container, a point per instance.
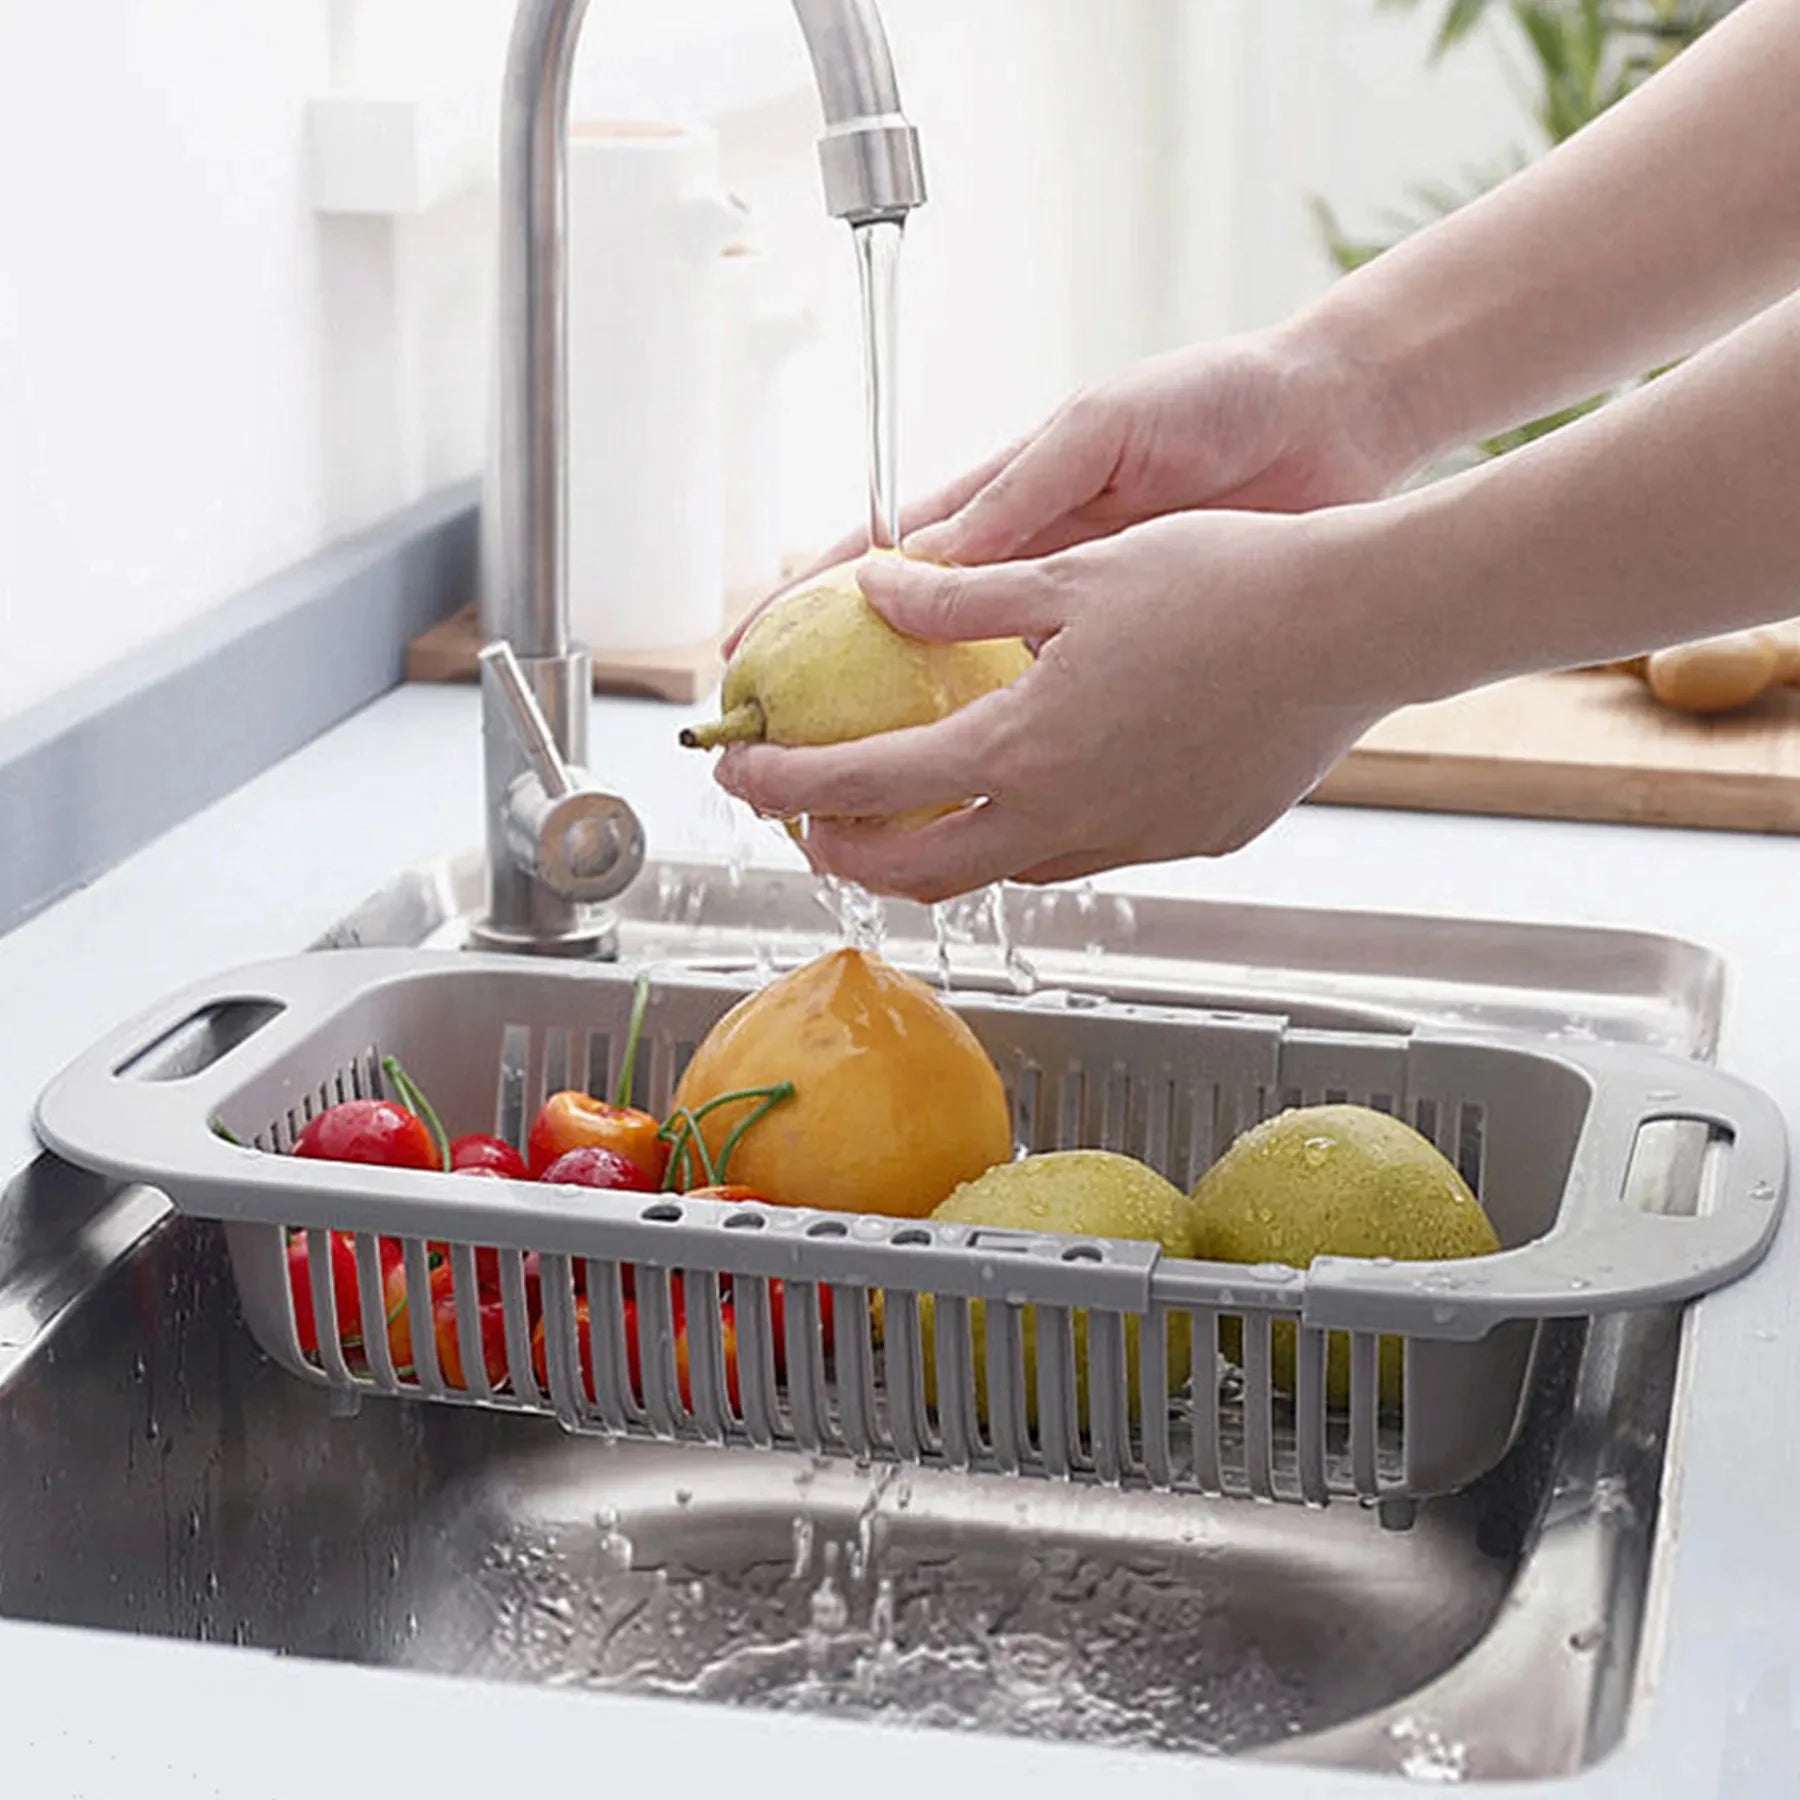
(762, 331)
(648, 225)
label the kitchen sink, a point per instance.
(159, 1475)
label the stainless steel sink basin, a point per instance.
(158, 1475)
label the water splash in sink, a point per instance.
(1061, 1644)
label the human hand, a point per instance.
(1197, 676)
(1273, 421)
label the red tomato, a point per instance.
(593, 1165)
(369, 1131)
(491, 1319)
(346, 1293)
(476, 1153)
(571, 1120)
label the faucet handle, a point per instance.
(526, 717)
(583, 844)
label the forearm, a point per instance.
(1670, 219)
(1670, 515)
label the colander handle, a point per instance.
(1604, 1255)
(131, 1086)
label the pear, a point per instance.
(1086, 1193)
(821, 666)
(1334, 1181)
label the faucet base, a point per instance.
(594, 934)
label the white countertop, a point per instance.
(261, 873)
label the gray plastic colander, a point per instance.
(769, 1325)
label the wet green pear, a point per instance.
(1334, 1181)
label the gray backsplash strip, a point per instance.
(98, 770)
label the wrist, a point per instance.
(1391, 603)
(1385, 373)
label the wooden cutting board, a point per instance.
(1582, 746)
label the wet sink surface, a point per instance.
(158, 1475)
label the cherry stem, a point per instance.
(772, 1097)
(640, 1004)
(412, 1097)
(690, 1135)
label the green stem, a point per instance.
(692, 1135)
(640, 1003)
(741, 724)
(412, 1097)
(773, 1097)
(221, 1130)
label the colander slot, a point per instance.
(1160, 1103)
(903, 1374)
(1469, 1158)
(1311, 1429)
(1259, 1405)
(598, 1074)
(371, 1288)
(1425, 1123)
(510, 1117)
(328, 1327)
(1058, 1439)
(712, 1378)
(1153, 1384)
(1007, 1405)
(614, 1352)
(1365, 1395)
(1109, 1408)
(955, 1383)
(659, 1320)
(751, 1310)
(559, 1070)
(470, 1342)
(516, 1315)
(1115, 1111)
(1027, 1094)
(810, 1421)
(1195, 1124)
(1071, 1118)
(859, 1402)
(1203, 1408)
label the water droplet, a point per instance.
(1589, 1637)
(1763, 1190)
(1662, 1096)
(1578, 1282)
(1442, 1314)
(684, 1496)
(1316, 1151)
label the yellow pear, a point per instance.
(1334, 1181)
(895, 1102)
(1085, 1193)
(821, 666)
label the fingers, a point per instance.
(951, 856)
(873, 777)
(1066, 465)
(941, 605)
(935, 506)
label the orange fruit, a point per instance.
(895, 1102)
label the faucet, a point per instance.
(558, 845)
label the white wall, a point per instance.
(202, 380)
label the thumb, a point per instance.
(944, 605)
